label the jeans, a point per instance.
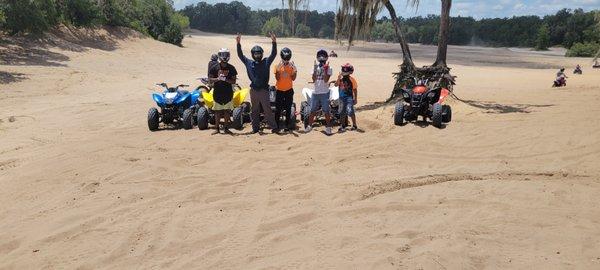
(346, 105)
(320, 101)
(260, 99)
(284, 101)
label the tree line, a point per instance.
(576, 30)
(235, 17)
(156, 18)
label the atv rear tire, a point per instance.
(305, 113)
(153, 119)
(202, 118)
(446, 113)
(247, 108)
(399, 114)
(187, 121)
(238, 118)
(293, 117)
(436, 115)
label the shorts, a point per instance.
(220, 107)
(347, 105)
(320, 101)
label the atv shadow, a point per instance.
(8, 77)
(496, 108)
(374, 105)
(425, 124)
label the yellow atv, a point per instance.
(240, 114)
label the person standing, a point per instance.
(214, 59)
(258, 70)
(222, 76)
(320, 98)
(348, 87)
(285, 74)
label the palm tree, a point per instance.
(358, 16)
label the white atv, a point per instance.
(334, 105)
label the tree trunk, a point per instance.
(440, 61)
(282, 19)
(407, 57)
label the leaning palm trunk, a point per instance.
(407, 61)
(444, 33)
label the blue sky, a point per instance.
(474, 8)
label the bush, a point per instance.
(82, 12)
(588, 49)
(172, 34)
(273, 25)
(303, 31)
(182, 20)
(29, 16)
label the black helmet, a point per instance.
(257, 53)
(214, 57)
(224, 55)
(562, 69)
(286, 54)
(322, 56)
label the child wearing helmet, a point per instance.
(320, 99)
(214, 59)
(348, 89)
(285, 74)
(222, 76)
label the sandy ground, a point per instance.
(512, 183)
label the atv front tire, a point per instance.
(153, 119)
(446, 113)
(238, 118)
(188, 122)
(436, 116)
(202, 118)
(399, 114)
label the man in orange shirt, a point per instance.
(285, 74)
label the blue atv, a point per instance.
(177, 106)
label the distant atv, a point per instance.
(425, 101)
(205, 115)
(175, 107)
(560, 82)
(334, 105)
(292, 114)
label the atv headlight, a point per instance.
(431, 95)
(169, 101)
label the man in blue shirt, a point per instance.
(258, 69)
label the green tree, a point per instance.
(82, 12)
(172, 34)
(326, 32)
(543, 39)
(273, 25)
(303, 31)
(588, 49)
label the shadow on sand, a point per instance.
(36, 51)
(491, 107)
(10, 77)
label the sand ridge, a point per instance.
(513, 182)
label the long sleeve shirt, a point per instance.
(258, 71)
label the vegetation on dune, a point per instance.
(156, 18)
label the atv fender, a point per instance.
(208, 98)
(158, 98)
(182, 98)
(443, 95)
(240, 96)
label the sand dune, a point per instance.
(513, 182)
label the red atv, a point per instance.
(423, 99)
(560, 82)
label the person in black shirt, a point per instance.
(214, 59)
(222, 76)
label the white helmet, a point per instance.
(224, 55)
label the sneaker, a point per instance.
(342, 129)
(275, 131)
(328, 130)
(354, 127)
(307, 129)
(254, 131)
